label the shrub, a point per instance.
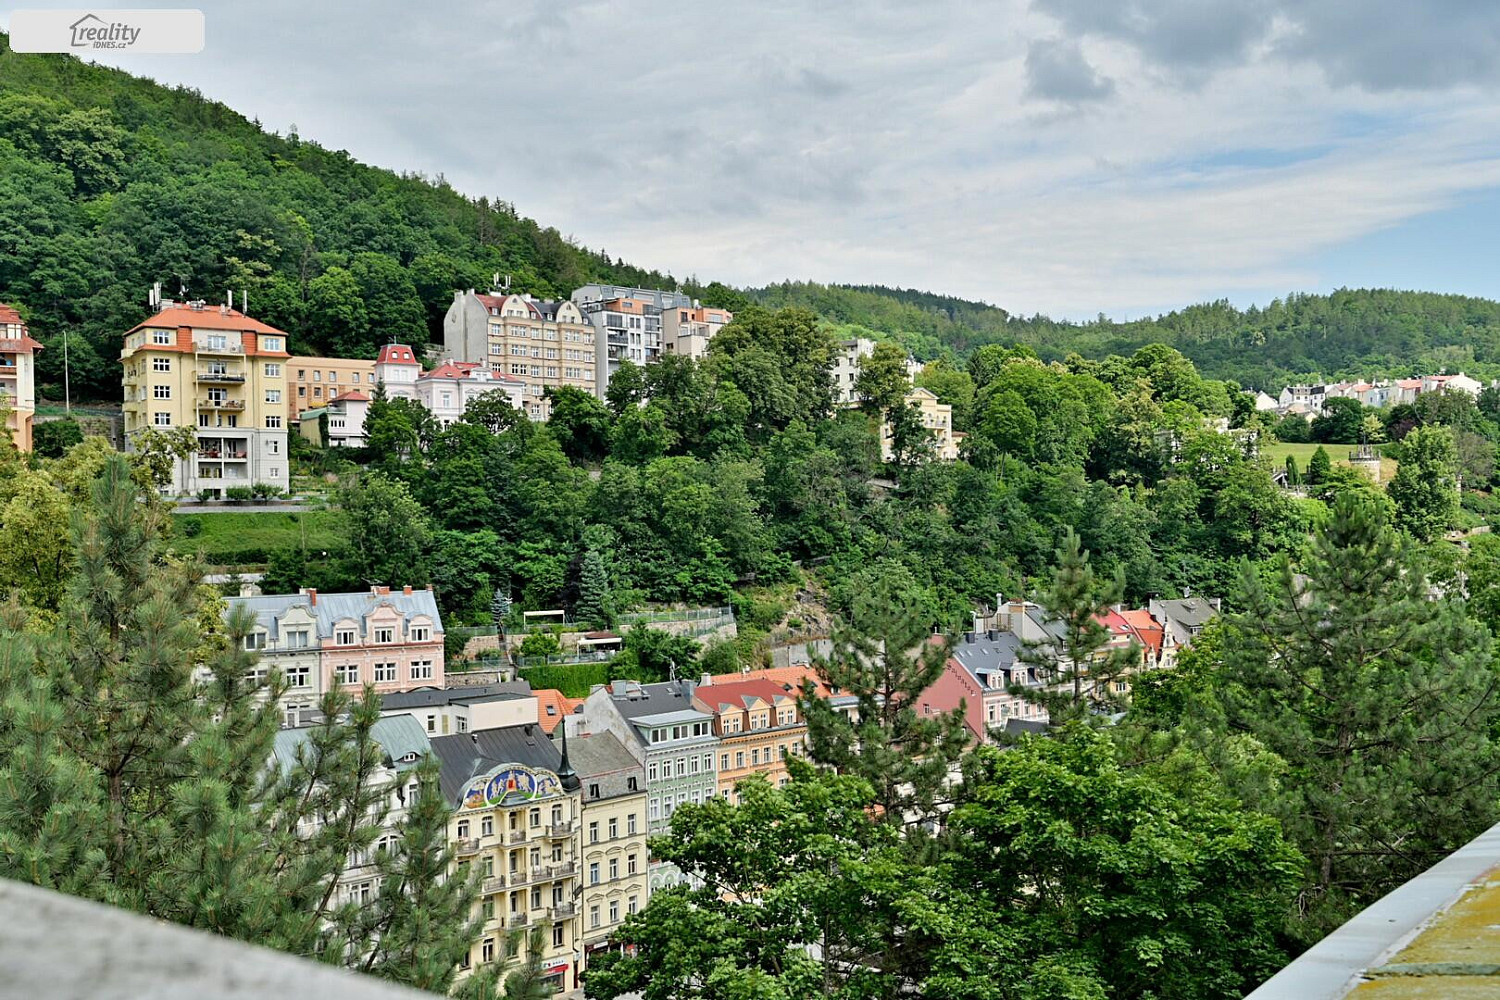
(540, 644)
(239, 493)
(205, 495)
(191, 526)
(265, 491)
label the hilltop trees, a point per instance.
(1425, 487)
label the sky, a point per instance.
(1070, 157)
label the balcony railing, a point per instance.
(516, 837)
(560, 830)
(221, 404)
(560, 912)
(221, 377)
(518, 920)
(216, 453)
(466, 846)
(493, 884)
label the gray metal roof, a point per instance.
(468, 754)
(672, 718)
(330, 609)
(635, 701)
(601, 759)
(399, 736)
(985, 656)
(428, 697)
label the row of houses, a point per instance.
(1308, 400)
(553, 798)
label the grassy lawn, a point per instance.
(232, 537)
(1277, 452)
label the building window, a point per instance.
(614, 911)
(346, 673)
(344, 637)
(385, 635)
(296, 638)
(273, 395)
(630, 824)
(273, 371)
(273, 423)
(594, 873)
(385, 672)
(653, 809)
(487, 950)
(271, 343)
(463, 723)
(708, 762)
(632, 905)
(317, 376)
(630, 867)
(535, 818)
(162, 337)
(594, 832)
(463, 829)
(614, 828)
(651, 771)
(724, 762)
(161, 418)
(557, 935)
(255, 640)
(273, 447)
(421, 670)
(614, 868)
(297, 677)
(421, 633)
(161, 364)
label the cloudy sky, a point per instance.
(1064, 156)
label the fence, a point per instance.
(562, 659)
(686, 615)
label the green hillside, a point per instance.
(109, 182)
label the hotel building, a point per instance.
(17, 376)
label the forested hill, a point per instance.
(1348, 332)
(109, 182)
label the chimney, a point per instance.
(311, 594)
(969, 636)
(706, 680)
(994, 635)
(406, 590)
(380, 591)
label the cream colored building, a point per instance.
(612, 838)
(313, 382)
(216, 370)
(516, 810)
(687, 330)
(541, 343)
(17, 376)
(936, 417)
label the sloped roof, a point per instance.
(397, 354)
(468, 754)
(789, 679)
(208, 318)
(739, 695)
(430, 696)
(352, 396)
(329, 609)
(399, 736)
(601, 759)
(552, 706)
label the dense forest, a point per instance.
(109, 183)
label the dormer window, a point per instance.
(255, 640)
(421, 633)
(296, 638)
(385, 635)
(344, 637)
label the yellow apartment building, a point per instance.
(312, 382)
(612, 838)
(758, 725)
(213, 369)
(936, 417)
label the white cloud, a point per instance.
(1181, 152)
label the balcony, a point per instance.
(466, 846)
(561, 911)
(221, 377)
(560, 830)
(516, 837)
(223, 454)
(518, 920)
(221, 404)
(492, 884)
(563, 870)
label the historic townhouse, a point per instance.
(539, 343)
(17, 376)
(313, 382)
(447, 390)
(758, 724)
(215, 370)
(612, 838)
(662, 729)
(402, 744)
(517, 807)
(320, 642)
(446, 711)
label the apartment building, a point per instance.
(846, 368)
(17, 376)
(392, 640)
(758, 724)
(661, 727)
(612, 837)
(687, 330)
(397, 369)
(402, 745)
(937, 417)
(539, 343)
(339, 423)
(220, 372)
(447, 390)
(627, 323)
(450, 711)
(516, 810)
(313, 382)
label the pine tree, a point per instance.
(1319, 466)
(885, 655)
(1381, 700)
(1080, 674)
(594, 605)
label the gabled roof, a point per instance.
(401, 737)
(601, 759)
(24, 344)
(788, 679)
(208, 318)
(986, 656)
(328, 610)
(551, 707)
(469, 754)
(352, 396)
(446, 370)
(397, 354)
(740, 695)
(499, 301)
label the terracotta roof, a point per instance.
(551, 706)
(9, 315)
(1147, 629)
(739, 694)
(787, 678)
(208, 318)
(353, 396)
(445, 370)
(396, 354)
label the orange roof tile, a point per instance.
(786, 678)
(396, 354)
(551, 707)
(207, 318)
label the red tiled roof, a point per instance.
(9, 315)
(560, 704)
(788, 679)
(445, 370)
(23, 344)
(207, 318)
(396, 354)
(353, 396)
(739, 693)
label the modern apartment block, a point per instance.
(627, 323)
(612, 838)
(392, 640)
(661, 727)
(517, 807)
(17, 376)
(540, 343)
(313, 382)
(402, 745)
(220, 372)
(846, 368)
(687, 330)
